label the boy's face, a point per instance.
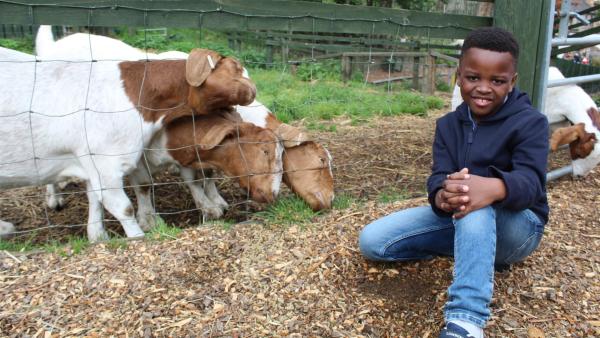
(485, 78)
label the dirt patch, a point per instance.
(304, 280)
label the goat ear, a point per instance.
(199, 65)
(564, 135)
(595, 116)
(215, 135)
(291, 136)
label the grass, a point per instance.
(24, 45)
(222, 223)
(392, 195)
(289, 210)
(163, 231)
(344, 201)
(290, 98)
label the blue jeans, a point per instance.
(478, 241)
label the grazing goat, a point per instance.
(306, 164)
(242, 150)
(93, 120)
(570, 103)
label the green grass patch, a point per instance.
(15, 245)
(344, 201)
(74, 245)
(289, 210)
(290, 99)
(392, 195)
(116, 243)
(163, 231)
(220, 223)
(24, 45)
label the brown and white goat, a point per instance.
(306, 164)
(251, 154)
(66, 119)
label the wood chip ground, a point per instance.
(305, 280)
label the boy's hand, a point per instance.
(482, 191)
(453, 196)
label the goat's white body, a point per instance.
(570, 103)
(64, 119)
(85, 47)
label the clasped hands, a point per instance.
(462, 193)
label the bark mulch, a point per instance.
(305, 280)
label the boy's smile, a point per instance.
(485, 78)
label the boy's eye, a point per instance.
(472, 78)
(498, 81)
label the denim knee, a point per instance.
(371, 243)
(481, 221)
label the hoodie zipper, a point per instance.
(470, 137)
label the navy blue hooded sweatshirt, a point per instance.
(511, 144)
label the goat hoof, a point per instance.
(56, 204)
(100, 236)
(212, 213)
(6, 229)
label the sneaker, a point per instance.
(453, 330)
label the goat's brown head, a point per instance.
(583, 146)
(244, 151)
(216, 82)
(200, 85)
(307, 167)
(307, 171)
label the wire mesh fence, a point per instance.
(386, 78)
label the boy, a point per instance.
(487, 188)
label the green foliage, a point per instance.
(325, 70)
(287, 210)
(443, 86)
(417, 5)
(344, 201)
(163, 231)
(183, 40)
(253, 58)
(24, 45)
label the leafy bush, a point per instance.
(326, 70)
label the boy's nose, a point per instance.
(484, 88)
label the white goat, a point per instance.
(93, 120)
(570, 103)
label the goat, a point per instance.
(570, 103)
(306, 164)
(581, 143)
(93, 120)
(242, 150)
(314, 186)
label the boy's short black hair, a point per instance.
(492, 38)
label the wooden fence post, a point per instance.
(527, 20)
(346, 67)
(416, 62)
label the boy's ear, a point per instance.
(513, 82)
